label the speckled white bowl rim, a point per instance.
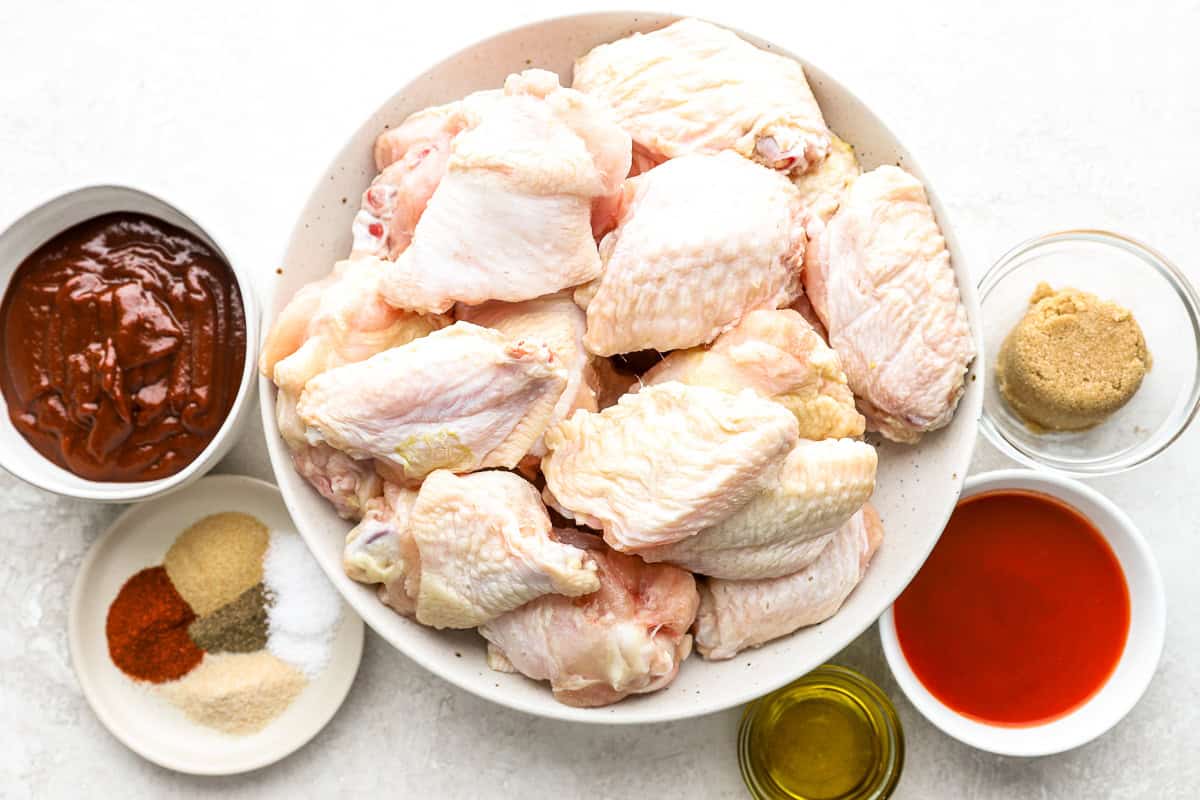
(917, 490)
(1147, 630)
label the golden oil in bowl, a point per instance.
(832, 735)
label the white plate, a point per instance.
(917, 486)
(145, 722)
(1139, 659)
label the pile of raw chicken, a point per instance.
(469, 386)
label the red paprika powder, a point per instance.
(147, 629)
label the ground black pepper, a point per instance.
(237, 627)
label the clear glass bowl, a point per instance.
(830, 698)
(1165, 305)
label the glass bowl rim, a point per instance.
(1183, 289)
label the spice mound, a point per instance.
(238, 627)
(306, 607)
(217, 559)
(237, 692)
(147, 629)
(1072, 361)
(231, 627)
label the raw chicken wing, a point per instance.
(462, 398)
(701, 242)
(350, 322)
(627, 638)
(464, 550)
(821, 188)
(883, 285)
(292, 326)
(412, 160)
(349, 484)
(787, 525)
(511, 217)
(486, 549)
(780, 356)
(557, 321)
(338, 320)
(665, 463)
(692, 87)
(345, 482)
(735, 615)
(380, 549)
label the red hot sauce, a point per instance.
(1020, 614)
(123, 342)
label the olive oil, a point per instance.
(832, 735)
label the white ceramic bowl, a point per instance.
(1143, 647)
(30, 232)
(917, 486)
(141, 719)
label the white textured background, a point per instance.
(1027, 115)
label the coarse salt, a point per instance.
(305, 608)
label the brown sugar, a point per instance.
(1072, 361)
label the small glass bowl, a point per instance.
(1165, 305)
(855, 696)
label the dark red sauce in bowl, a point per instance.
(1021, 613)
(123, 341)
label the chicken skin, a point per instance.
(692, 87)
(348, 484)
(822, 189)
(411, 160)
(511, 218)
(883, 285)
(462, 398)
(627, 638)
(735, 615)
(787, 525)
(665, 463)
(291, 327)
(781, 357)
(701, 242)
(557, 321)
(803, 306)
(464, 550)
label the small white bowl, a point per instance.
(1143, 647)
(42, 224)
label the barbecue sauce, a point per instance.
(123, 342)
